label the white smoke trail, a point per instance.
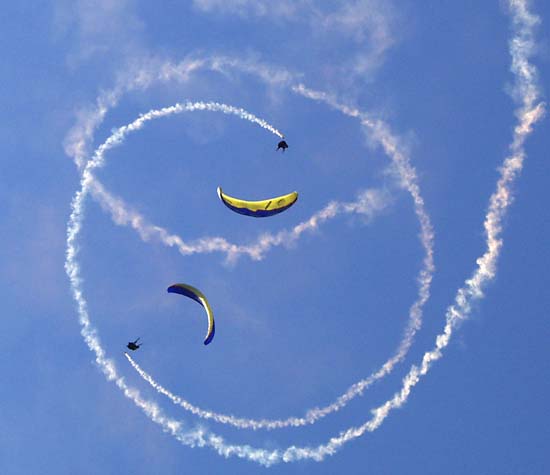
(76, 145)
(72, 268)
(81, 134)
(122, 215)
(409, 180)
(406, 172)
(367, 203)
(529, 114)
(120, 134)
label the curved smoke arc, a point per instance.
(529, 113)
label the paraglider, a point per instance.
(282, 144)
(133, 345)
(258, 209)
(197, 296)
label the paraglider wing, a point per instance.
(258, 209)
(197, 296)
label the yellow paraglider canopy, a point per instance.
(258, 209)
(197, 296)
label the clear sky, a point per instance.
(300, 323)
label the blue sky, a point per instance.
(297, 328)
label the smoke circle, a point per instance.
(197, 437)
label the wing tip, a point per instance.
(173, 289)
(208, 341)
(210, 336)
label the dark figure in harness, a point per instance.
(133, 345)
(282, 144)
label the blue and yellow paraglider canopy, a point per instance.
(197, 296)
(258, 209)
